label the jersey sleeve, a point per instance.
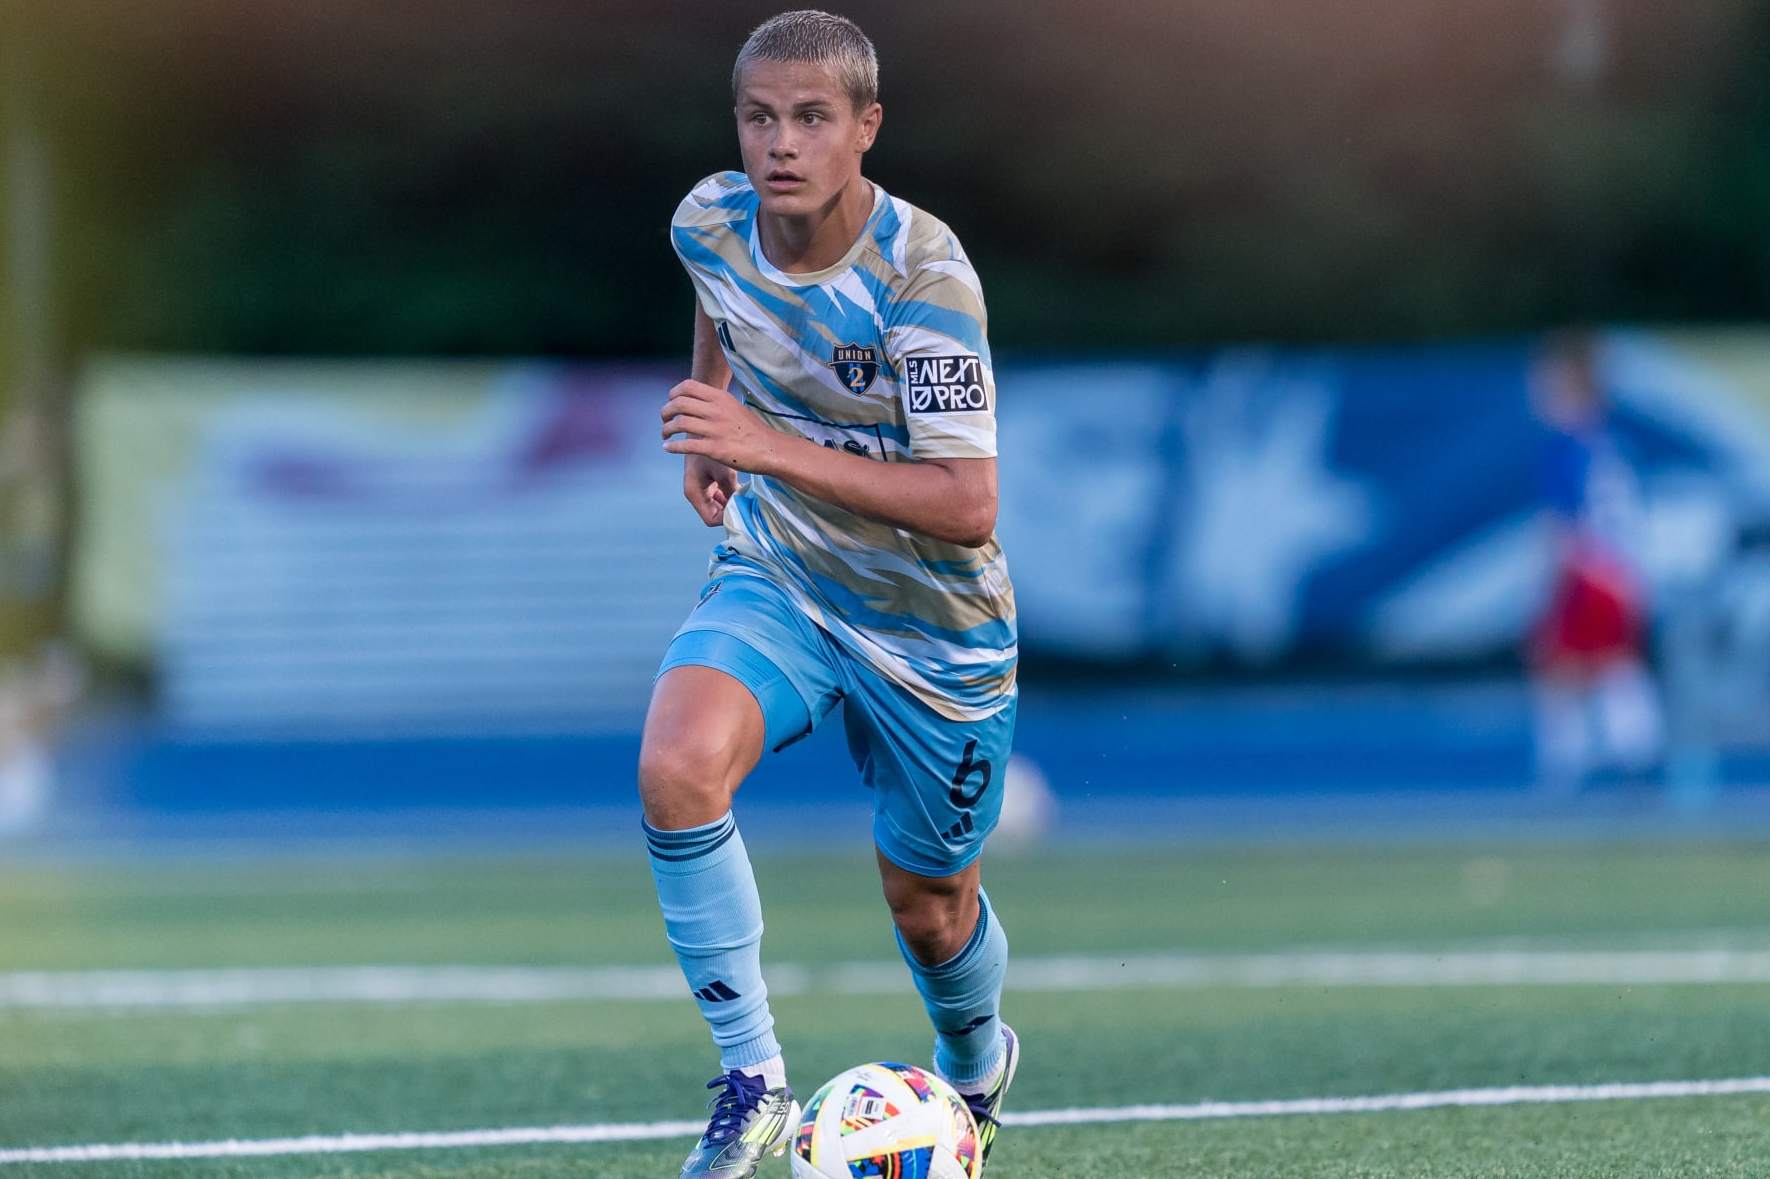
(700, 226)
(935, 341)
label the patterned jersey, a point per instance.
(881, 355)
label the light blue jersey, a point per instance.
(882, 355)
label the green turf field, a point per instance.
(97, 1075)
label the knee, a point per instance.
(935, 922)
(683, 783)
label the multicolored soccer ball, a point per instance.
(893, 1121)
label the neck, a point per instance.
(800, 244)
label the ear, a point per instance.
(869, 127)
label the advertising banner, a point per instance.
(503, 546)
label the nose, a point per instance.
(783, 146)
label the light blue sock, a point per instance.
(964, 998)
(713, 918)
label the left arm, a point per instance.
(950, 499)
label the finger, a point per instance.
(697, 391)
(689, 445)
(692, 405)
(710, 513)
(677, 401)
(680, 395)
(687, 424)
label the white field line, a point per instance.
(211, 989)
(642, 1131)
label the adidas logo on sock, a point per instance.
(963, 827)
(717, 992)
(968, 1028)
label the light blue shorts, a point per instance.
(937, 783)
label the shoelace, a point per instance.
(979, 1105)
(743, 1093)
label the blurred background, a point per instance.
(1384, 407)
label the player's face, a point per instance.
(801, 137)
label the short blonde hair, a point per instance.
(834, 42)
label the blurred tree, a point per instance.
(452, 178)
(31, 451)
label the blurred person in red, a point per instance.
(1596, 703)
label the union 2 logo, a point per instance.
(856, 366)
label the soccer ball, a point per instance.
(894, 1121)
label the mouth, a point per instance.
(781, 181)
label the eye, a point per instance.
(811, 117)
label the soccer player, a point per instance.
(1595, 700)
(839, 422)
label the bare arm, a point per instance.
(707, 484)
(948, 499)
(708, 362)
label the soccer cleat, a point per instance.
(986, 1108)
(749, 1120)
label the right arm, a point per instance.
(708, 364)
(708, 484)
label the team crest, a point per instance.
(856, 366)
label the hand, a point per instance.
(715, 425)
(709, 486)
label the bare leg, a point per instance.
(958, 956)
(935, 915)
(703, 734)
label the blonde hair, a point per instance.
(821, 38)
